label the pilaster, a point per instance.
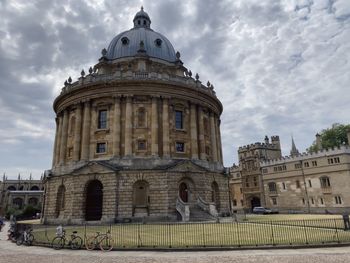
(64, 137)
(86, 131)
(77, 133)
(128, 126)
(116, 127)
(214, 151)
(194, 132)
(165, 124)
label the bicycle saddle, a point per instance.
(74, 232)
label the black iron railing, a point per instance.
(199, 235)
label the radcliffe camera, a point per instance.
(211, 130)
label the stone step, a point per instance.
(198, 215)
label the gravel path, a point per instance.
(10, 252)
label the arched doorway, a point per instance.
(141, 197)
(18, 202)
(183, 192)
(60, 201)
(255, 202)
(93, 202)
(33, 201)
(215, 195)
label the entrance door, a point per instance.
(183, 192)
(255, 202)
(141, 194)
(94, 198)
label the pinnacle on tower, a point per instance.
(294, 151)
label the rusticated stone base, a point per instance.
(118, 202)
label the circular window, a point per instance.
(158, 42)
(125, 41)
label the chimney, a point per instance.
(318, 141)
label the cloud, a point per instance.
(279, 67)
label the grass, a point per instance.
(281, 217)
(248, 233)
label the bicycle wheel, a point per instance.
(57, 243)
(30, 239)
(106, 244)
(76, 243)
(19, 240)
(90, 243)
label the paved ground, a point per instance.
(10, 252)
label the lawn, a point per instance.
(247, 233)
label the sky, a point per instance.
(280, 67)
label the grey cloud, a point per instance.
(274, 72)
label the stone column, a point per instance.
(154, 127)
(194, 133)
(214, 151)
(116, 127)
(218, 138)
(64, 137)
(128, 126)
(56, 146)
(77, 133)
(85, 149)
(166, 148)
(201, 134)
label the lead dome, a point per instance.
(141, 36)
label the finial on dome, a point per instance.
(142, 19)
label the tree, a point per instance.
(332, 137)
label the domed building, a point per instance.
(137, 138)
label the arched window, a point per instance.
(183, 192)
(179, 120)
(60, 202)
(94, 201)
(272, 187)
(33, 201)
(102, 119)
(34, 188)
(141, 118)
(11, 188)
(18, 202)
(21, 187)
(325, 183)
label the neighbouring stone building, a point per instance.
(17, 193)
(137, 137)
(316, 182)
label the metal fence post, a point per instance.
(84, 234)
(203, 235)
(305, 231)
(336, 230)
(272, 235)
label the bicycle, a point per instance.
(75, 241)
(26, 238)
(104, 241)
